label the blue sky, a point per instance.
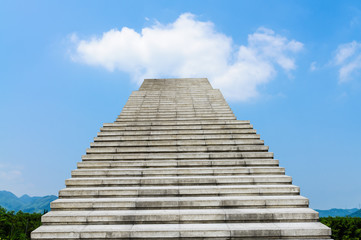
(291, 67)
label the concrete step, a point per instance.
(158, 119)
(304, 230)
(200, 96)
(166, 108)
(168, 129)
(179, 203)
(176, 89)
(184, 216)
(174, 127)
(130, 111)
(178, 156)
(182, 134)
(191, 97)
(204, 95)
(125, 115)
(208, 94)
(179, 191)
(196, 97)
(189, 142)
(178, 149)
(183, 99)
(178, 180)
(138, 102)
(179, 96)
(217, 171)
(174, 115)
(179, 99)
(176, 163)
(128, 108)
(186, 101)
(192, 112)
(195, 103)
(185, 122)
(189, 124)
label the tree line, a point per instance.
(344, 227)
(19, 225)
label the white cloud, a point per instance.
(348, 58)
(313, 66)
(192, 48)
(9, 172)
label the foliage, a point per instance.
(344, 227)
(17, 226)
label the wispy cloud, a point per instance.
(192, 48)
(313, 66)
(9, 172)
(355, 20)
(348, 59)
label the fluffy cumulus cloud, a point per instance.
(192, 48)
(348, 58)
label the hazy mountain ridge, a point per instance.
(338, 212)
(356, 214)
(25, 203)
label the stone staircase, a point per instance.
(176, 164)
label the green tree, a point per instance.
(344, 227)
(17, 226)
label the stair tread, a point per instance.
(148, 199)
(159, 231)
(228, 211)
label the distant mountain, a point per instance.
(356, 214)
(337, 212)
(25, 203)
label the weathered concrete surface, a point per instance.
(177, 164)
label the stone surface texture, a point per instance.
(177, 164)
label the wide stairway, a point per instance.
(176, 164)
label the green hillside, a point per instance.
(356, 214)
(25, 203)
(336, 212)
